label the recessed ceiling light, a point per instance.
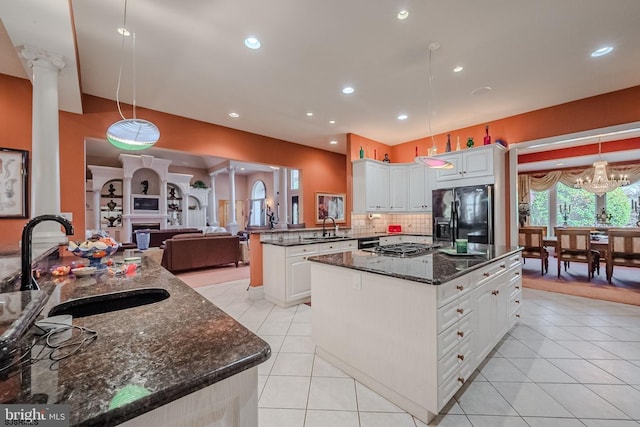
(275, 168)
(252, 43)
(458, 69)
(347, 90)
(333, 142)
(234, 115)
(403, 14)
(241, 169)
(309, 114)
(332, 122)
(481, 91)
(403, 117)
(601, 52)
(559, 164)
(123, 32)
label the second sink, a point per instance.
(105, 303)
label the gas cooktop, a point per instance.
(404, 250)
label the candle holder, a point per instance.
(635, 208)
(565, 211)
(603, 218)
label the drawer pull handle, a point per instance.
(461, 356)
(460, 310)
(460, 287)
(503, 266)
(517, 273)
(517, 301)
(487, 274)
(461, 380)
(461, 334)
(517, 287)
(494, 292)
(517, 315)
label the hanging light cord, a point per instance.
(430, 96)
(124, 30)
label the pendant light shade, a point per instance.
(133, 134)
(433, 162)
(130, 134)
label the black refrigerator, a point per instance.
(463, 213)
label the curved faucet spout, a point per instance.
(324, 222)
(27, 282)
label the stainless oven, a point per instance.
(368, 242)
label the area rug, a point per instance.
(214, 275)
(625, 286)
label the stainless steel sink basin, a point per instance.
(105, 303)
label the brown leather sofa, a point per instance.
(156, 237)
(188, 252)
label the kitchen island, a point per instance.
(178, 361)
(414, 328)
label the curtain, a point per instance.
(545, 180)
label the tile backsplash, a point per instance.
(379, 223)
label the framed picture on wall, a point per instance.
(330, 205)
(13, 183)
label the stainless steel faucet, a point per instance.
(28, 282)
(324, 222)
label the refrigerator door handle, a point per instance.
(490, 214)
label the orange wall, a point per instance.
(609, 109)
(322, 171)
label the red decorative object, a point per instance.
(395, 228)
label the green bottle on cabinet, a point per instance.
(470, 142)
(361, 152)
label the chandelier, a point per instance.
(601, 183)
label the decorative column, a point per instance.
(45, 147)
(233, 224)
(213, 203)
(126, 208)
(283, 198)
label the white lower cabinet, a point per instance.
(413, 343)
(287, 271)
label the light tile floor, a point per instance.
(570, 361)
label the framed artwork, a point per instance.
(13, 183)
(330, 205)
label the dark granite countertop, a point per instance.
(169, 349)
(313, 240)
(433, 268)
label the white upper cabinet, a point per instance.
(474, 166)
(398, 188)
(421, 183)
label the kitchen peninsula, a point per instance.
(177, 361)
(414, 329)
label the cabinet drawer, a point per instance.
(515, 284)
(449, 291)
(447, 390)
(515, 301)
(514, 316)
(451, 313)
(448, 339)
(514, 260)
(491, 272)
(302, 250)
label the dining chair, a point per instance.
(624, 249)
(531, 241)
(574, 245)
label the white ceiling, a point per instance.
(191, 60)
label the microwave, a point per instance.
(146, 203)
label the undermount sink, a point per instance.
(105, 303)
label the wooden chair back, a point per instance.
(531, 241)
(624, 248)
(574, 245)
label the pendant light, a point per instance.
(130, 134)
(428, 161)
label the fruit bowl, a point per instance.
(94, 249)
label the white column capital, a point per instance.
(42, 58)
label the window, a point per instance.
(295, 179)
(619, 205)
(539, 206)
(257, 208)
(295, 210)
(581, 206)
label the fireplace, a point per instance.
(145, 226)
